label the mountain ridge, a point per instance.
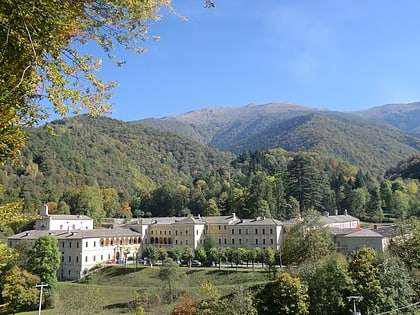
(391, 129)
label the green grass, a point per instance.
(114, 288)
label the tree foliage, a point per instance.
(286, 295)
(40, 59)
(44, 260)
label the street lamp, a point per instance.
(355, 298)
(40, 295)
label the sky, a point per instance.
(326, 54)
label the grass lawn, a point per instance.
(113, 289)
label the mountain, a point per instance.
(402, 116)
(222, 128)
(354, 137)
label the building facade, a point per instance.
(83, 247)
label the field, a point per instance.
(118, 289)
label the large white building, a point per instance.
(62, 221)
(83, 247)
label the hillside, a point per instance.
(99, 151)
(222, 127)
(402, 116)
(369, 146)
(353, 137)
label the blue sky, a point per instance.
(340, 55)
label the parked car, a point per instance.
(196, 263)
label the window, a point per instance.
(77, 244)
(220, 241)
(62, 258)
(196, 232)
(233, 231)
(87, 244)
(256, 241)
(69, 258)
(271, 241)
(77, 259)
(256, 231)
(186, 232)
(70, 244)
(62, 244)
(86, 258)
(186, 242)
(224, 227)
(94, 258)
(240, 241)
(233, 241)
(225, 241)
(271, 231)
(240, 231)
(102, 257)
(176, 232)
(220, 227)
(61, 226)
(263, 241)
(94, 243)
(263, 231)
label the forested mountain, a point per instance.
(106, 153)
(356, 138)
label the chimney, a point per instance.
(345, 211)
(336, 212)
(43, 211)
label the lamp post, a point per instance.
(40, 295)
(355, 298)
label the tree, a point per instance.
(364, 269)
(19, 292)
(44, 260)
(210, 303)
(188, 255)
(304, 181)
(39, 60)
(201, 255)
(328, 283)
(169, 272)
(286, 295)
(307, 240)
(162, 254)
(185, 306)
(407, 245)
(151, 253)
(396, 283)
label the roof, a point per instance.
(260, 221)
(331, 219)
(364, 233)
(75, 234)
(67, 217)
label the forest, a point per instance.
(106, 168)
